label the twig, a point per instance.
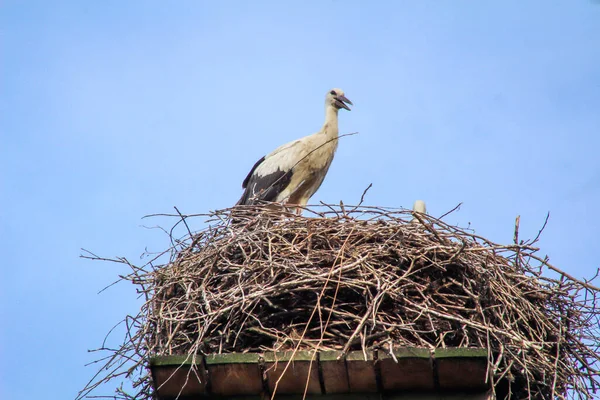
(356, 277)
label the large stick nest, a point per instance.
(368, 279)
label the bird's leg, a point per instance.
(301, 204)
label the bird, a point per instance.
(293, 172)
(419, 206)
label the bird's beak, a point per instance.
(341, 101)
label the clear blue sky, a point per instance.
(111, 110)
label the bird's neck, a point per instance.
(330, 128)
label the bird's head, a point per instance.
(336, 99)
(420, 206)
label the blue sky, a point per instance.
(113, 110)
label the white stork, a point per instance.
(419, 206)
(292, 173)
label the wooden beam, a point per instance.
(409, 370)
(234, 374)
(292, 373)
(412, 369)
(361, 372)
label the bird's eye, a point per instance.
(333, 92)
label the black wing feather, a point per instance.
(264, 188)
(245, 183)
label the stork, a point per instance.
(292, 173)
(419, 206)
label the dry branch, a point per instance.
(358, 278)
